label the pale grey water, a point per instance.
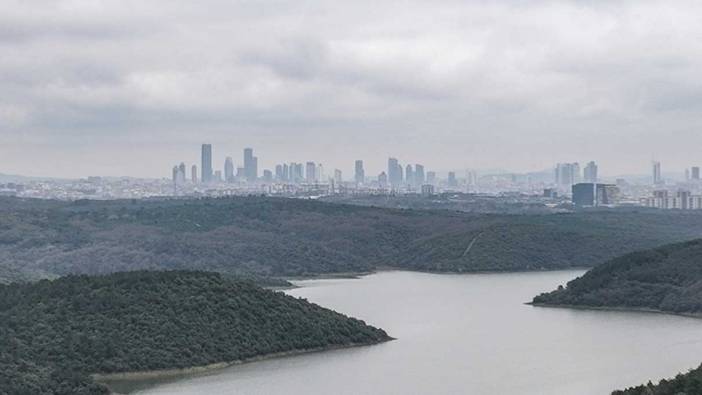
(467, 334)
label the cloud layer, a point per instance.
(129, 87)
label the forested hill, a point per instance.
(53, 334)
(667, 278)
(289, 237)
(689, 383)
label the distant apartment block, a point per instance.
(681, 200)
(592, 194)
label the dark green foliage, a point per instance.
(54, 333)
(294, 237)
(667, 278)
(689, 383)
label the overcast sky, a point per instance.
(133, 87)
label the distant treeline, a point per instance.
(292, 237)
(54, 334)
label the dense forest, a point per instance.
(667, 278)
(293, 237)
(689, 383)
(54, 334)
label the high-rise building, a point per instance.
(593, 194)
(279, 173)
(193, 174)
(310, 172)
(175, 175)
(383, 180)
(418, 174)
(683, 200)
(182, 171)
(267, 176)
(657, 179)
(590, 172)
(319, 174)
(217, 177)
(296, 173)
(250, 165)
(286, 172)
(337, 176)
(229, 169)
(409, 175)
(394, 172)
(695, 173)
(206, 166)
(359, 173)
(471, 177)
(452, 182)
(431, 177)
(567, 174)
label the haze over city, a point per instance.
(128, 88)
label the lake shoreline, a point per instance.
(616, 309)
(106, 378)
(386, 269)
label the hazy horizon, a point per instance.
(131, 88)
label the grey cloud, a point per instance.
(408, 78)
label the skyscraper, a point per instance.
(383, 180)
(286, 172)
(590, 172)
(229, 169)
(310, 172)
(279, 173)
(567, 174)
(319, 174)
(393, 174)
(337, 176)
(657, 180)
(175, 179)
(193, 174)
(359, 172)
(250, 165)
(695, 173)
(452, 182)
(206, 166)
(182, 171)
(418, 174)
(409, 175)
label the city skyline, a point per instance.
(566, 174)
(444, 84)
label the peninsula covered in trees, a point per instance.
(55, 334)
(269, 237)
(666, 279)
(689, 383)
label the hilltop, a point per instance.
(269, 237)
(667, 279)
(55, 334)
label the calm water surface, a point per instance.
(467, 334)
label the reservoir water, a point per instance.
(465, 334)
